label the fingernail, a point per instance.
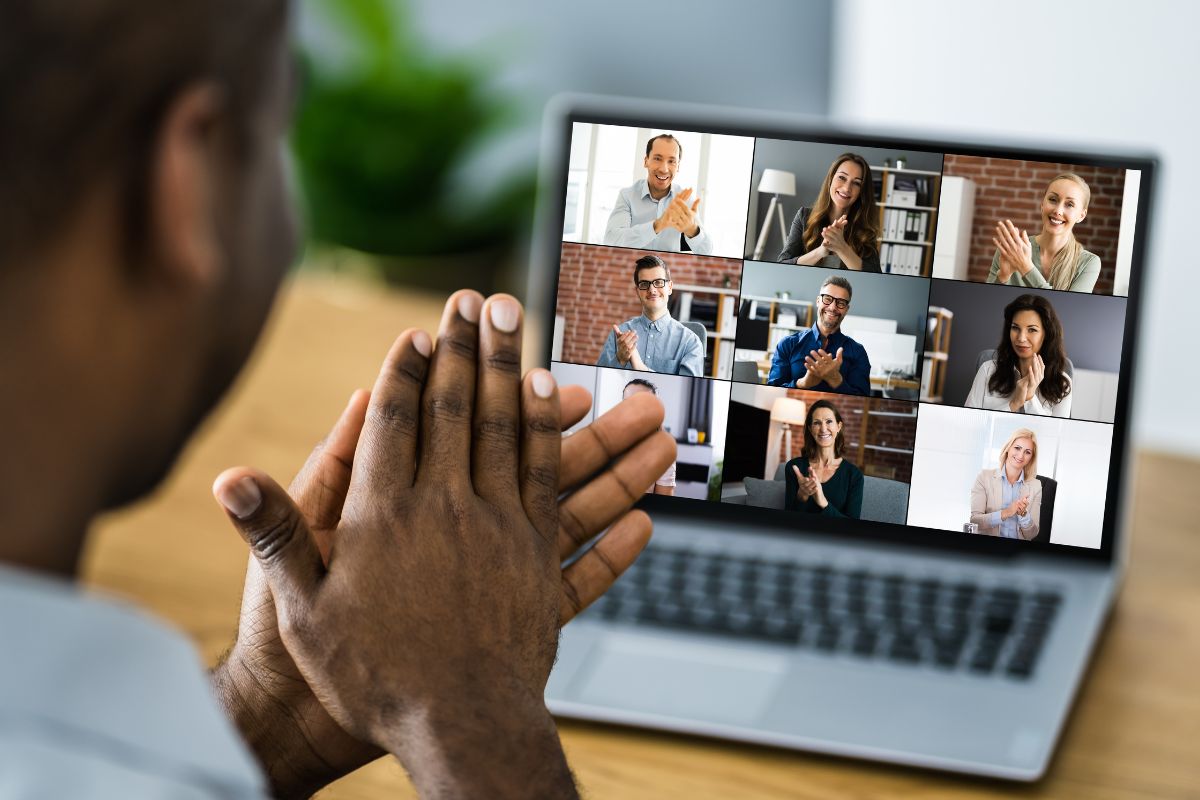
(422, 343)
(468, 307)
(241, 498)
(543, 384)
(506, 314)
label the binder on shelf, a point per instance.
(903, 197)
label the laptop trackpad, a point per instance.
(681, 679)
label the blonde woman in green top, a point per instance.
(1054, 259)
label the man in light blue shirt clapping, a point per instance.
(654, 341)
(653, 216)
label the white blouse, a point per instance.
(981, 397)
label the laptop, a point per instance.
(884, 550)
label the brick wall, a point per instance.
(1008, 189)
(595, 290)
(899, 432)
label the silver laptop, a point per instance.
(899, 374)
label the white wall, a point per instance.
(1074, 73)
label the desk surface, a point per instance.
(1133, 734)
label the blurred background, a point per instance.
(417, 137)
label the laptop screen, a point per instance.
(854, 334)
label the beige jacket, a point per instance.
(987, 496)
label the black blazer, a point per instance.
(794, 247)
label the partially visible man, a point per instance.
(145, 232)
(665, 485)
(651, 214)
(822, 357)
(654, 341)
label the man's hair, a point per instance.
(650, 262)
(641, 382)
(84, 85)
(841, 283)
(650, 143)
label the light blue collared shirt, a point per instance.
(631, 223)
(1009, 494)
(665, 345)
(97, 699)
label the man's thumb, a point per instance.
(278, 535)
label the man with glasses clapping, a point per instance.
(653, 341)
(822, 357)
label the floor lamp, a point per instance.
(789, 413)
(774, 182)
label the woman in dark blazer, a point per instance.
(841, 228)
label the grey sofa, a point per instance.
(883, 500)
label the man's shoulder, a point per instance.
(634, 190)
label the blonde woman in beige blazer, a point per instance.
(1007, 501)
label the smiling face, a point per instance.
(1064, 204)
(1020, 453)
(661, 165)
(824, 427)
(653, 299)
(845, 187)
(829, 317)
(1026, 334)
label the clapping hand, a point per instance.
(805, 487)
(415, 581)
(626, 344)
(1016, 253)
(681, 215)
(1027, 385)
(833, 236)
(1019, 507)
(823, 365)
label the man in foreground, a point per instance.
(406, 596)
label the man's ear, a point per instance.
(183, 188)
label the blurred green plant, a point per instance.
(714, 482)
(377, 140)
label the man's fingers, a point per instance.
(279, 538)
(695, 205)
(447, 406)
(541, 445)
(596, 570)
(387, 449)
(591, 449)
(320, 487)
(839, 353)
(575, 402)
(610, 494)
(497, 424)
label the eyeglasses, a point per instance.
(841, 304)
(657, 283)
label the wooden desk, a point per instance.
(1134, 733)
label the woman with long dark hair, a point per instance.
(841, 228)
(1028, 374)
(821, 481)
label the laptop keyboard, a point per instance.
(988, 630)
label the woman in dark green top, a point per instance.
(821, 481)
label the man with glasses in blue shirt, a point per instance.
(822, 357)
(653, 341)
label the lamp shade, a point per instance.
(777, 181)
(788, 410)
